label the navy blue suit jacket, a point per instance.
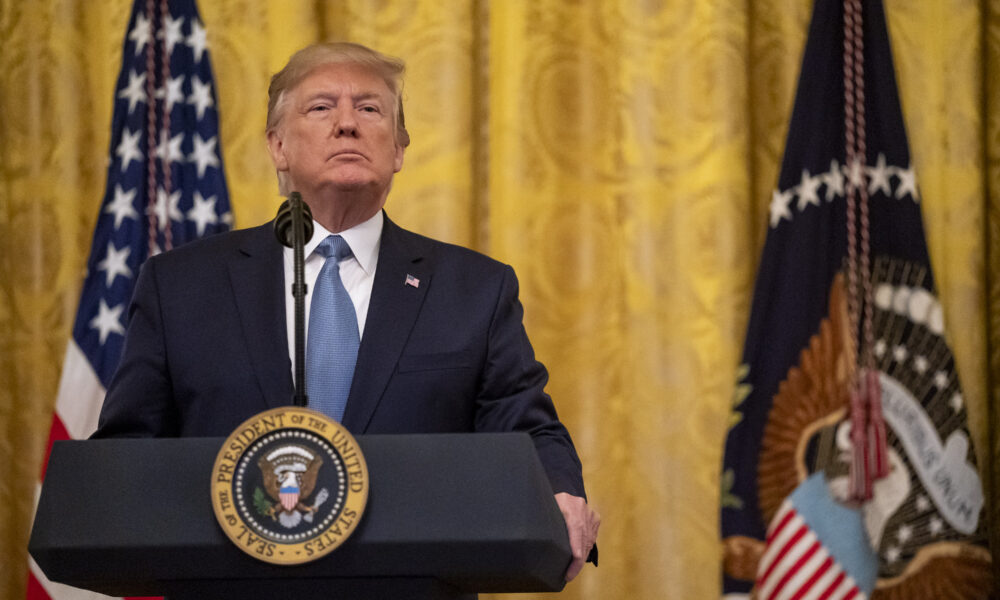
(207, 347)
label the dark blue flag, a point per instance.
(844, 278)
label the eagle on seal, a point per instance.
(289, 478)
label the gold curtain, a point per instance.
(619, 153)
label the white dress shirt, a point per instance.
(357, 273)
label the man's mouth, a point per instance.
(347, 154)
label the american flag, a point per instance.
(165, 186)
(833, 306)
(815, 549)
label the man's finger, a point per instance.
(574, 568)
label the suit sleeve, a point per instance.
(512, 394)
(139, 401)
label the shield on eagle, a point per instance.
(288, 493)
(289, 475)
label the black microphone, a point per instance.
(283, 223)
(294, 227)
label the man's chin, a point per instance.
(354, 186)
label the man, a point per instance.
(440, 346)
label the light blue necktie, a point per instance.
(332, 350)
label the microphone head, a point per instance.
(284, 221)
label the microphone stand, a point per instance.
(294, 227)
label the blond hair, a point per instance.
(312, 57)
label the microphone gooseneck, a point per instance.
(293, 226)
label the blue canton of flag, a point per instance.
(165, 183)
(805, 515)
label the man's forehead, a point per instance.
(343, 78)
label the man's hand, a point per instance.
(582, 523)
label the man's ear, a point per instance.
(276, 146)
(398, 159)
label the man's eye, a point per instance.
(319, 108)
(371, 109)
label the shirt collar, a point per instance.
(363, 239)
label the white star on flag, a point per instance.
(114, 263)
(834, 180)
(135, 91)
(173, 91)
(166, 209)
(941, 380)
(936, 526)
(172, 32)
(807, 189)
(904, 534)
(879, 175)
(170, 150)
(204, 154)
(128, 148)
(203, 212)
(957, 402)
(197, 40)
(108, 321)
(855, 174)
(779, 206)
(121, 207)
(140, 33)
(201, 96)
(907, 183)
(900, 353)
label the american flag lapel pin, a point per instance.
(411, 280)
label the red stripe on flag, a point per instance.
(795, 568)
(781, 526)
(781, 553)
(57, 433)
(854, 592)
(830, 589)
(808, 585)
(35, 590)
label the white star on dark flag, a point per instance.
(204, 154)
(114, 263)
(203, 213)
(135, 91)
(122, 206)
(108, 321)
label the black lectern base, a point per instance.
(347, 588)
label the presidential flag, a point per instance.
(848, 395)
(165, 186)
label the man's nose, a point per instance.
(346, 123)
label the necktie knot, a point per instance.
(333, 246)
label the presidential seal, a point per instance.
(289, 485)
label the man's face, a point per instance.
(337, 134)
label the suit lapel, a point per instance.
(392, 311)
(256, 272)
